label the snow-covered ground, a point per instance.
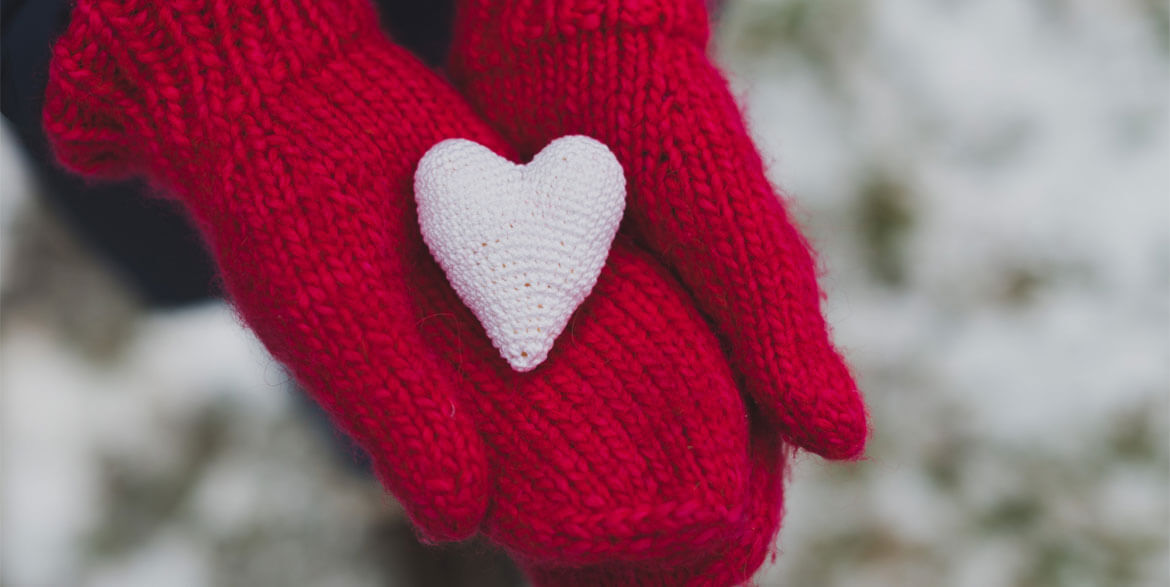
(989, 186)
(988, 183)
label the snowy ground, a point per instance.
(988, 185)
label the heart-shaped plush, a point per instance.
(521, 244)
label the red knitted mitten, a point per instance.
(291, 129)
(634, 74)
(290, 137)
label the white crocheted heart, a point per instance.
(521, 244)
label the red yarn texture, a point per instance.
(291, 130)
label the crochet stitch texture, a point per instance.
(521, 244)
(290, 130)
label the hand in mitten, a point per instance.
(289, 138)
(290, 130)
(634, 74)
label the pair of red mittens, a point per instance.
(647, 449)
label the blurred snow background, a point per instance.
(988, 185)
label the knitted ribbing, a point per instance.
(291, 130)
(634, 74)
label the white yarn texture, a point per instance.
(522, 245)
